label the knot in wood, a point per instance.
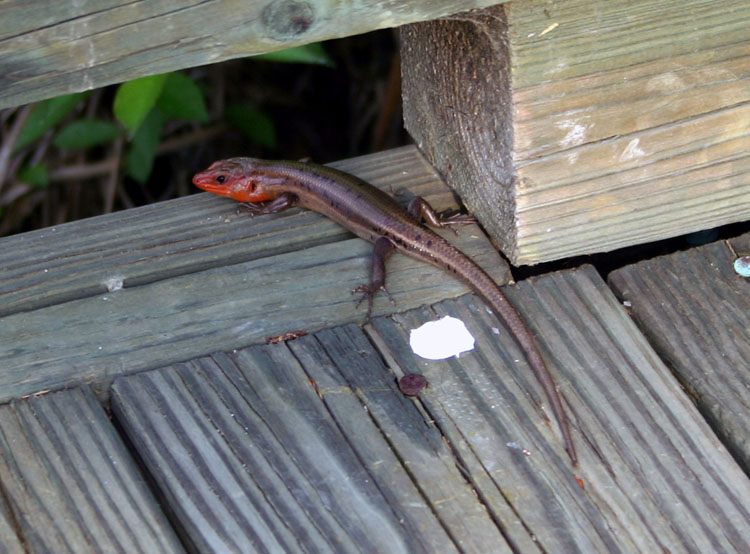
(288, 18)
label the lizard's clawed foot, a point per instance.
(368, 291)
(457, 219)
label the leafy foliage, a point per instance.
(36, 175)
(135, 99)
(46, 115)
(254, 123)
(118, 132)
(86, 133)
(143, 107)
(140, 158)
(182, 98)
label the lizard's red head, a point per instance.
(233, 177)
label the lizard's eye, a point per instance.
(221, 179)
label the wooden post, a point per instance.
(585, 126)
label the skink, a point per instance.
(273, 186)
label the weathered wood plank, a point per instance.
(653, 477)
(350, 375)
(10, 541)
(251, 457)
(71, 484)
(586, 126)
(143, 245)
(695, 310)
(321, 416)
(53, 48)
(141, 326)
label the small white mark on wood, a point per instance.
(665, 82)
(113, 284)
(632, 150)
(442, 339)
(515, 446)
(241, 328)
(549, 28)
(559, 68)
(576, 133)
(742, 266)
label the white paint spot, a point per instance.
(113, 284)
(576, 133)
(742, 266)
(442, 339)
(632, 150)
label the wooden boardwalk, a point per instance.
(178, 429)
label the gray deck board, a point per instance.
(653, 476)
(69, 483)
(95, 339)
(250, 458)
(152, 243)
(696, 311)
(298, 274)
(317, 429)
(10, 537)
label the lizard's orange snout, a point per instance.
(224, 182)
(207, 180)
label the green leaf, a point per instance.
(46, 115)
(254, 123)
(135, 99)
(139, 160)
(35, 175)
(86, 133)
(182, 98)
(309, 53)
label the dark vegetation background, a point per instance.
(319, 112)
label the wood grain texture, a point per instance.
(287, 285)
(71, 485)
(695, 310)
(54, 48)
(253, 458)
(458, 108)
(10, 540)
(94, 339)
(586, 126)
(653, 477)
(274, 443)
(148, 244)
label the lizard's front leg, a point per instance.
(382, 251)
